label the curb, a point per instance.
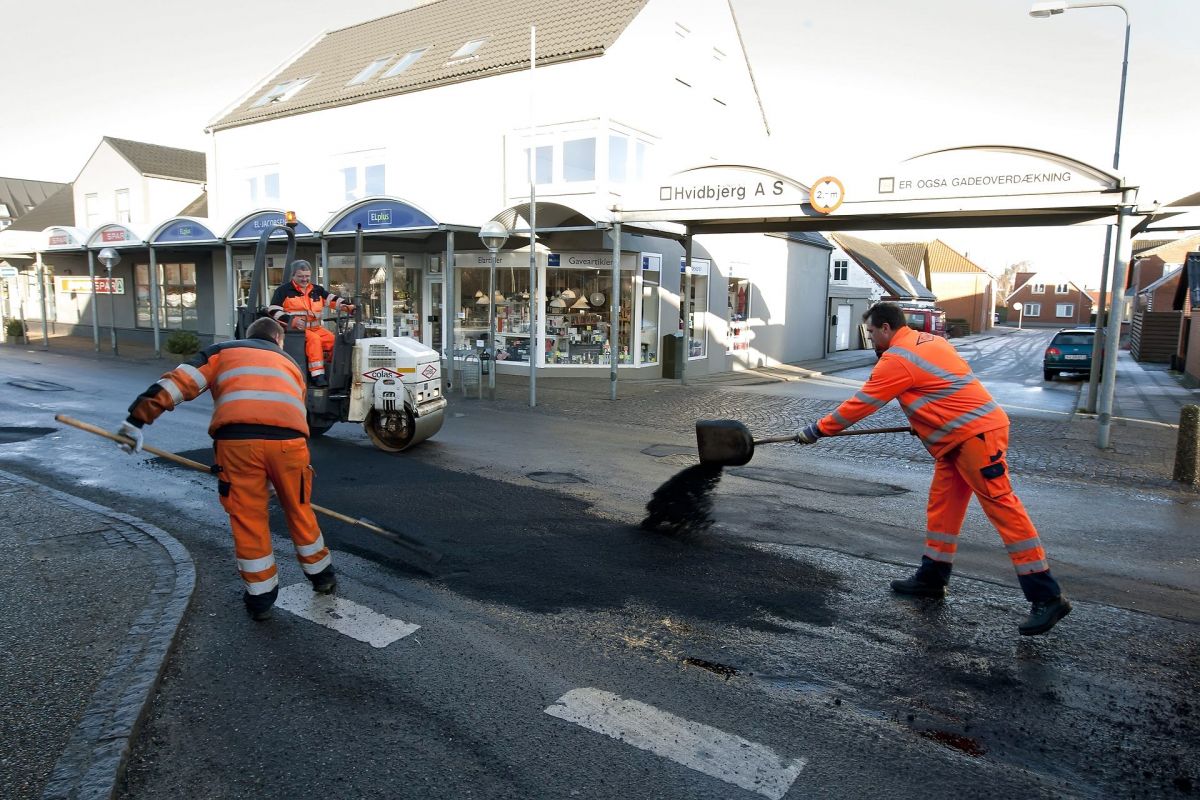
(95, 756)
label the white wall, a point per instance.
(151, 200)
(857, 277)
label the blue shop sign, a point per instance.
(390, 216)
(552, 260)
(253, 227)
(184, 231)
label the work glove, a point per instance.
(296, 322)
(348, 308)
(809, 434)
(131, 431)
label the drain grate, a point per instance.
(554, 477)
(38, 386)
(12, 435)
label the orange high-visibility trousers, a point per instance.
(245, 467)
(979, 466)
(317, 343)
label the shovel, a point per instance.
(728, 443)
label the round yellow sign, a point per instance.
(826, 195)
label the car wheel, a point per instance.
(1048, 374)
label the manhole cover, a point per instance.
(10, 435)
(660, 450)
(554, 477)
(39, 386)
(818, 484)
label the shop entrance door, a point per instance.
(843, 328)
(433, 301)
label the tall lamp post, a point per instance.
(493, 235)
(110, 259)
(1101, 365)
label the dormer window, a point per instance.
(282, 92)
(406, 61)
(468, 50)
(369, 71)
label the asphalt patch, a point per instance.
(12, 435)
(38, 386)
(816, 483)
(661, 450)
(554, 478)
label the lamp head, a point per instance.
(109, 257)
(493, 235)
(1048, 8)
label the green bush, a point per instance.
(14, 329)
(182, 343)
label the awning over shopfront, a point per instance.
(61, 237)
(117, 234)
(377, 215)
(184, 231)
(249, 227)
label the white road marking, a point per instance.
(730, 758)
(344, 616)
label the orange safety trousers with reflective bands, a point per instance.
(245, 467)
(979, 466)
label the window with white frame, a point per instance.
(1064, 310)
(468, 50)
(566, 158)
(122, 205)
(260, 185)
(369, 71)
(406, 61)
(282, 92)
(1039, 288)
(841, 270)
(361, 174)
(1061, 288)
(579, 160)
(91, 210)
(1033, 309)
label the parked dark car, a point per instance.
(1069, 351)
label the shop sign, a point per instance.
(114, 235)
(699, 266)
(601, 260)
(253, 227)
(8, 271)
(59, 239)
(185, 232)
(84, 285)
(384, 215)
(651, 262)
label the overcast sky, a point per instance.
(842, 82)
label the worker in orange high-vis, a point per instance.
(967, 434)
(260, 433)
(297, 304)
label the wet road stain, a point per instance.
(554, 478)
(684, 503)
(956, 741)
(38, 386)
(817, 483)
(12, 435)
(724, 670)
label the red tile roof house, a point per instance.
(1050, 301)
(1160, 325)
(963, 289)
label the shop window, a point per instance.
(122, 205)
(176, 293)
(282, 92)
(91, 208)
(369, 71)
(406, 298)
(579, 314)
(651, 282)
(579, 160)
(1064, 310)
(511, 298)
(738, 316)
(841, 270)
(697, 306)
(406, 61)
(244, 266)
(372, 286)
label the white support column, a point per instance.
(615, 312)
(95, 317)
(1112, 339)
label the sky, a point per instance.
(841, 82)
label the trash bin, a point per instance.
(672, 355)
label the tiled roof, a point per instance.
(57, 209)
(18, 194)
(1139, 246)
(808, 237)
(162, 162)
(883, 267)
(566, 30)
(944, 258)
(911, 255)
(196, 208)
(1174, 251)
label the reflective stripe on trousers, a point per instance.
(246, 465)
(317, 342)
(979, 467)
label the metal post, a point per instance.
(323, 272)
(1098, 343)
(112, 309)
(153, 278)
(615, 311)
(41, 273)
(232, 276)
(447, 311)
(491, 343)
(95, 316)
(1113, 337)
(535, 297)
(685, 305)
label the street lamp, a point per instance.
(111, 258)
(1103, 366)
(493, 235)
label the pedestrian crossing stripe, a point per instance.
(342, 615)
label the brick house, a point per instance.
(964, 290)
(1050, 300)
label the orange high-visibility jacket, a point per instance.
(304, 304)
(257, 389)
(944, 402)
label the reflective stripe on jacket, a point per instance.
(306, 303)
(943, 401)
(252, 382)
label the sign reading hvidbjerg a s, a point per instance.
(728, 186)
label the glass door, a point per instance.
(433, 331)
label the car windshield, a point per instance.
(1073, 338)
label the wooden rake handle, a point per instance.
(862, 432)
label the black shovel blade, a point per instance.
(724, 442)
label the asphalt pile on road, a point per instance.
(684, 503)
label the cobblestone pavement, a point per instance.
(1054, 448)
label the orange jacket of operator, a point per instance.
(944, 402)
(303, 305)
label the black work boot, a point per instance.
(320, 381)
(915, 587)
(1044, 615)
(324, 582)
(258, 606)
